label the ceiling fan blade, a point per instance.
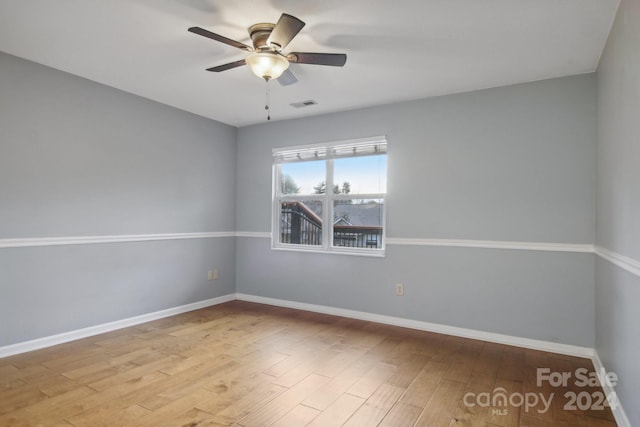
(333, 59)
(221, 39)
(285, 30)
(228, 66)
(287, 78)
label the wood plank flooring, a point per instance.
(246, 364)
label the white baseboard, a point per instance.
(618, 412)
(566, 349)
(52, 340)
(38, 343)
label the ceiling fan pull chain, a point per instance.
(268, 101)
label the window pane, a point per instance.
(360, 175)
(302, 177)
(301, 222)
(357, 223)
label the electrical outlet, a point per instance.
(399, 289)
(212, 274)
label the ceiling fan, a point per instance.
(267, 60)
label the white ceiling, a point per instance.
(397, 50)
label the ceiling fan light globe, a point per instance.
(267, 65)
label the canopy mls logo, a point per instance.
(500, 401)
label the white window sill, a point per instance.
(372, 253)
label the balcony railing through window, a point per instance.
(300, 225)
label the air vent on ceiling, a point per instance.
(303, 104)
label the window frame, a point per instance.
(327, 199)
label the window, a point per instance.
(331, 197)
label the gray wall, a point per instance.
(515, 163)
(618, 205)
(81, 159)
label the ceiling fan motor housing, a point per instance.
(260, 34)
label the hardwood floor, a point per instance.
(249, 365)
